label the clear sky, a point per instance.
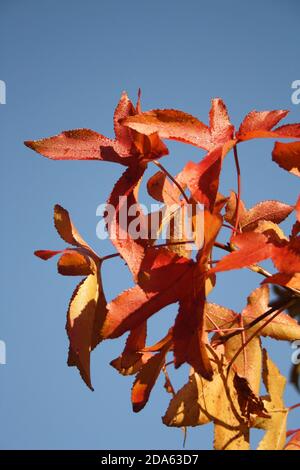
(65, 64)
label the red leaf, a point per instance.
(122, 198)
(145, 380)
(163, 279)
(253, 247)
(286, 257)
(259, 124)
(171, 124)
(273, 211)
(287, 156)
(189, 335)
(78, 144)
(284, 279)
(124, 109)
(180, 126)
(132, 359)
(85, 144)
(47, 254)
(298, 209)
(221, 128)
(202, 178)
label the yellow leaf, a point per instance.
(275, 426)
(86, 314)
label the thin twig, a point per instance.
(164, 170)
(113, 255)
(285, 305)
(239, 189)
(288, 304)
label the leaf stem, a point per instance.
(239, 189)
(164, 170)
(288, 304)
(113, 255)
(285, 305)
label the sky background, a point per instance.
(65, 64)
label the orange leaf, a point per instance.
(74, 263)
(86, 314)
(145, 380)
(287, 156)
(253, 247)
(132, 359)
(294, 442)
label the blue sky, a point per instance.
(65, 64)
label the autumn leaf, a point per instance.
(180, 126)
(259, 124)
(87, 308)
(275, 426)
(86, 313)
(294, 442)
(146, 378)
(201, 401)
(231, 209)
(286, 257)
(202, 178)
(291, 281)
(85, 144)
(252, 248)
(271, 211)
(297, 207)
(222, 347)
(133, 357)
(287, 156)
